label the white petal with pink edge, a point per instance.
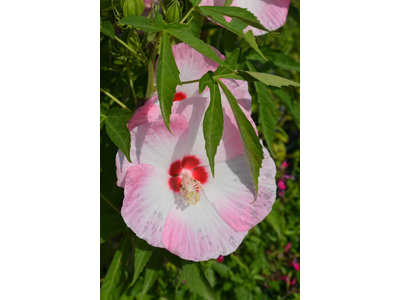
(271, 13)
(147, 202)
(153, 144)
(232, 191)
(197, 232)
(193, 109)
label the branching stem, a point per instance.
(115, 99)
(187, 15)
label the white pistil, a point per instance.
(190, 189)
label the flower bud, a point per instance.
(174, 12)
(132, 7)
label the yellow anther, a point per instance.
(190, 190)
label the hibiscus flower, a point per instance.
(171, 198)
(271, 13)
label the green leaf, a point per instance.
(228, 2)
(242, 14)
(167, 78)
(222, 270)
(231, 60)
(213, 124)
(250, 140)
(110, 226)
(269, 79)
(267, 112)
(195, 2)
(274, 219)
(153, 270)
(292, 106)
(112, 285)
(117, 130)
(229, 42)
(129, 292)
(181, 32)
(195, 24)
(143, 23)
(235, 25)
(242, 292)
(196, 279)
(278, 58)
(249, 37)
(206, 80)
(107, 29)
(143, 252)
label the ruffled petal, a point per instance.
(147, 203)
(192, 65)
(153, 144)
(232, 192)
(197, 232)
(271, 13)
(148, 113)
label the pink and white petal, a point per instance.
(271, 13)
(153, 144)
(148, 113)
(192, 64)
(197, 232)
(232, 192)
(194, 110)
(147, 203)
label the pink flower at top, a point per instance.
(171, 199)
(193, 65)
(271, 13)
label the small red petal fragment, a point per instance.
(200, 174)
(175, 183)
(190, 162)
(179, 96)
(176, 168)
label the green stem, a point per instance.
(115, 99)
(191, 81)
(131, 84)
(187, 15)
(152, 62)
(109, 203)
(125, 45)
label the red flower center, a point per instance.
(188, 165)
(179, 96)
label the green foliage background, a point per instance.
(258, 268)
